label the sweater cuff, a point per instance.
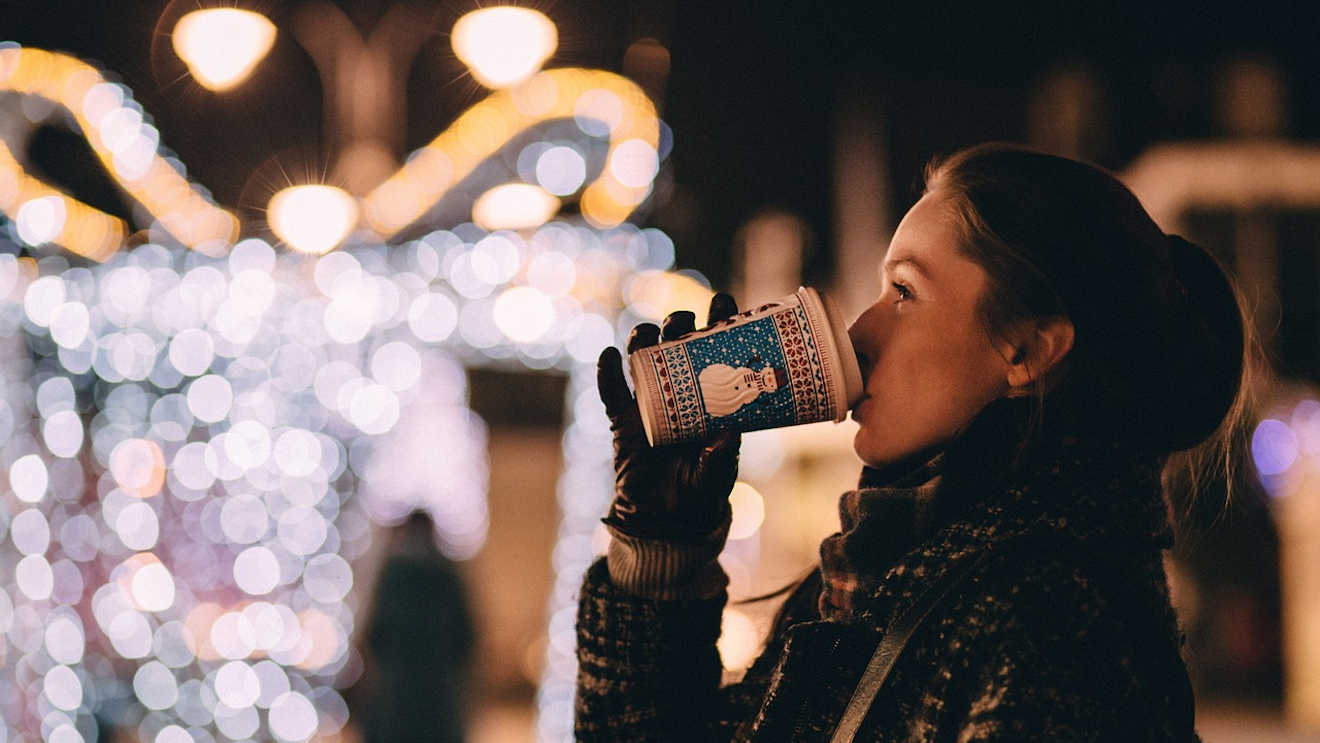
(668, 570)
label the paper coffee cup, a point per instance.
(782, 364)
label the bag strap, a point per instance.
(892, 642)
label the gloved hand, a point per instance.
(680, 491)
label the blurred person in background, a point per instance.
(419, 639)
(1041, 364)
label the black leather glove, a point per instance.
(680, 491)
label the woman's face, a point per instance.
(928, 364)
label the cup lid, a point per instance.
(845, 353)
(643, 400)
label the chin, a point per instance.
(865, 450)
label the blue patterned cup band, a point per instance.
(781, 364)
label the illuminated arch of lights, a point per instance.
(196, 433)
(604, 104)
(128, 148)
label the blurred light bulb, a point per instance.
(503, 46)
(40, 220)
(312, 219)
(739, 640)
(524, 314)
(222, 45)
(748, 511)
(514, 206)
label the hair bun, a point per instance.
(1206, 325)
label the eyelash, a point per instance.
(904, 293)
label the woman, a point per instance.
(1039, 352)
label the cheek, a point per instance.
(924, 388)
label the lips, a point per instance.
(856, 409)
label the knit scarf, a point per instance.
(1096, 492)
(880, 523)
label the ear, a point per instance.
(1035, 348)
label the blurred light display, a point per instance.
(209, 438)
(195, 447)
(197, 433)
(221, 46)
(604, 106)
(127, 145)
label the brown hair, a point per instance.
(1160, 328)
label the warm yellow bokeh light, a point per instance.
(514, 206)
(312, 219)
(739, 640)
(748, 511)
(503, 46)
(654, 294)
(126, 147)
(221, 46)
(486, 127)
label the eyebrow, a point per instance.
(913, 262)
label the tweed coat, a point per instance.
(1065, 634)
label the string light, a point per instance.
(128, 149)
(608, 105)
(237, 469)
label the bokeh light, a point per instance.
(748, 511)
(514, 206)
(604, 106)
(41, 220)
(524, 314)
(503, 45)
(561, 170)
(221, 46)
(739, 639)
(1285, 446)
(1273, 447)
(312, 219)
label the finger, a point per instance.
(610, 383)
(722, 443)
(721, 454)
(678, 324)
(722, 307)
(646, 334)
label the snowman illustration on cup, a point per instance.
(727, 388)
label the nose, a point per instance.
(867, 335)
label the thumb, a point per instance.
(610, 384)
(625, 419)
